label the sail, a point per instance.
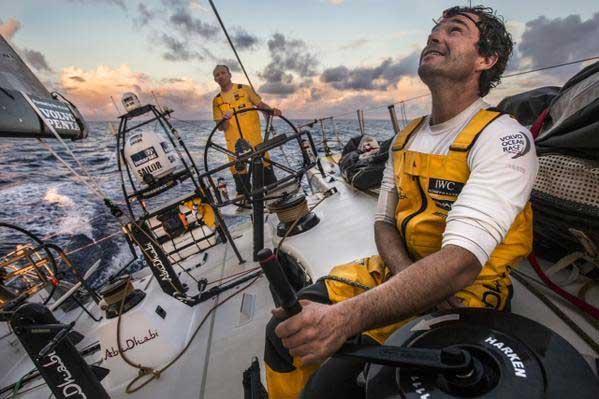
(28, 109)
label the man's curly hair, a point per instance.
(494, 39)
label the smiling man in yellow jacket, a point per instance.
(453, 218)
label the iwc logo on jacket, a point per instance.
(517, 144)
(444, 187)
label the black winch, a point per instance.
(293, 214)
(510, 356)
(114, 293)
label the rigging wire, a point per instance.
(504, 77)
(220, 21)
(55, 133)
(551, 66)
(93, 186)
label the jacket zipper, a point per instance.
(423, 205)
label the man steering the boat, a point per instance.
(241, 129)
(453, 217)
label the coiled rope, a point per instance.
(149, 372)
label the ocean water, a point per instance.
(39, 194)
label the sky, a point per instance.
(310, 58)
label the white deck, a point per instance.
(213, 365)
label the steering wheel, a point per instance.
(245, 154)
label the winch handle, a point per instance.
(424, 359)
(278, 281)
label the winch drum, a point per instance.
(517, 357)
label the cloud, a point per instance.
(144, 14)
(354, 44)
(9, 28)
(231, 63)
(336, 2)
(554, 41)
(181, 50)
(119, 3)
(292, 54)
(321, 100)
(244, 40)
(381, 77)
(278, 88)
(36, 60)
(184, 36)
(288, 58)
(91, 91)
(189, 25)
(177, 50)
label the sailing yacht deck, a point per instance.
(231, 336)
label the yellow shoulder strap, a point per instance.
(404, 135)
(473, 129)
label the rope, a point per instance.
(156, 373)
(290, 229)
(574, 300)
(120, 295)
(222, 25)
(521, 277)
(96, 242)
(290, 214)
(233, 275)
(77, 175)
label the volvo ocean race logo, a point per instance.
(67, 383)
(517, 144)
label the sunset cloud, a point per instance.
(378, 77)
(91, 91)
(9, 28)
(321, 100)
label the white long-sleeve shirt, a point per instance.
(503, 166)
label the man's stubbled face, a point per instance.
(451, 50)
